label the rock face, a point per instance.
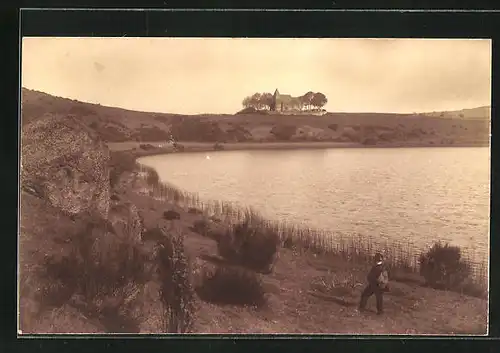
(63, 162)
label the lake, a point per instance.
(406, 194)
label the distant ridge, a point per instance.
(483, 112)
(472, 113)
(461, 127)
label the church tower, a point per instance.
(275, 100)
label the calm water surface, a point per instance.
(416, 194)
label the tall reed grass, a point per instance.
(354, 247)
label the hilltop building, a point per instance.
(284, 102)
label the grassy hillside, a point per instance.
(466, 127)
(162, 261)
(479, 113)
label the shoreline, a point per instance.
(199, 147)
(300, 282)
(191, 147)
(188, 196)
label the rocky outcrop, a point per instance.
(63, 162)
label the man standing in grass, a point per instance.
(377, 284)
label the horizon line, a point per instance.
(218, 113)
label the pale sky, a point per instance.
(203, 75)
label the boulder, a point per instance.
(64, 162)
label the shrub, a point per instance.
(232, 285)
(171, 215)
(178, 147)
(442, 266)
(104, 271)
(152, 178)
(193, 129)
(146, 146)
(201, 226)
(218, 146)
(283, 132)
(252, 110)
(151, 133)
(250, 243)
(247, 110)
(177, 293)
(154, 234)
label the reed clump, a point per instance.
(250, 243)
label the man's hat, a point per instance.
(378, 257)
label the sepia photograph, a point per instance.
(333, 186)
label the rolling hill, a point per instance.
(462, 127)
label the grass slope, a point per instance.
(469, 126)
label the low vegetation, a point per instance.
(252, 110)
(232, 285)
(218, 146)
(177, 293)
(443, 267)
(101, 275)
(152, 177)
(250, 243)
(239, 243)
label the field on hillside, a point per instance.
(471, 127)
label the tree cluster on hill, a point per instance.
(259, 101)
(265, 101)
(311, 99)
